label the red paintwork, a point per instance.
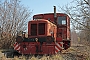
(31, 49)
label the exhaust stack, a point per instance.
(55, 12)
(55, 16)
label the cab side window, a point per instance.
(61, 20)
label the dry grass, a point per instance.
(53, 57)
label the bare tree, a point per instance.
(13, 19)
(78, 10)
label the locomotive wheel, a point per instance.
(19, 39)
(66, 44)
(9, 54)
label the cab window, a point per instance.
(61, 20)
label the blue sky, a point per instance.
(43, 6)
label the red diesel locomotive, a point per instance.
(47, 34)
